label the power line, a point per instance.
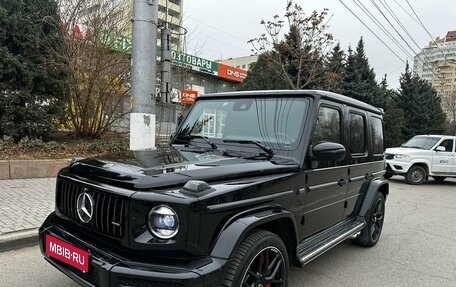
(382, 28)
(372, 31)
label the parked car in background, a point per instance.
(423, 156)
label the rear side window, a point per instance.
(357, 134)
(328, 126)
(377, 135)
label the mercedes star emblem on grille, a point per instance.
(84, 206)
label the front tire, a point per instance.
(260, 260)
(371, 232)
(416, 175)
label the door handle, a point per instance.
(342, 182)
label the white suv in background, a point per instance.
(423, 156)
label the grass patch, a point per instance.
(61, 146)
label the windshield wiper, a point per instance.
(206, 139)
(266, 149)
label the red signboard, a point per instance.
(231, 73)
(67, 253)
(188, 97)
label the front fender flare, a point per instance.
(236, 229)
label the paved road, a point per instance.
(417, 248)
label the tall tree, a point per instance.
(98, 64)
(298, 58)
(261, 76)
(31, 74)
(334, 70)
(393, 118)
(421, 105)
(359, 81)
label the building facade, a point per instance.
(244, 63)
(436, 63)
(440, 51)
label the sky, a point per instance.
(220, 29)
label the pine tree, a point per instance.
(31, 77)
(262, 76)
(335, 70)
(359, 81)
(393, 118)
(421, 106)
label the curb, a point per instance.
(18, 239)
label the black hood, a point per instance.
(167, 167)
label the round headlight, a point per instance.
(163, 222)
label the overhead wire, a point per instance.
(381, 27)
(365, 25)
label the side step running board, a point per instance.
(321, 242)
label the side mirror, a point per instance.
(440, 148)
(329, 151)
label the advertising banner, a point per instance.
(188, 97)
(231, 73)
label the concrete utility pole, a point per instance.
(143, 74)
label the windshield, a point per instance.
(421, 142)
(274, 122)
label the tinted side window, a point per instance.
(377, 135)
(357, 134)
(327, 127)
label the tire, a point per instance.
(439, 178)
(416, 175)
(388, 175)
(253, 255)
(375, 216)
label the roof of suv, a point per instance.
(315, 93)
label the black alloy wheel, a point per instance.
(377, 219)
(374, 218)
(267, 269)
(261, 260)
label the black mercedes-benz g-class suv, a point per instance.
(250, 183)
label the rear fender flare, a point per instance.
(375, 185)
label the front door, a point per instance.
(443, 161)
(326, 181)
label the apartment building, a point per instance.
(440, 51)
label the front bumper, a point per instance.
(109, 269)
(397, 167)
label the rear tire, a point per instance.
(375, 216)
(261, 258)
(416, 175)
(439, 178)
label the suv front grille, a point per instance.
(389, 156)
(109, 211)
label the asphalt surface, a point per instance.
(417, 248)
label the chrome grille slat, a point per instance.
(108, 217)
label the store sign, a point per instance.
(188, 97)
(193, 62)
(116, 42)
(231, 73)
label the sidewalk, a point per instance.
(24, 204)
